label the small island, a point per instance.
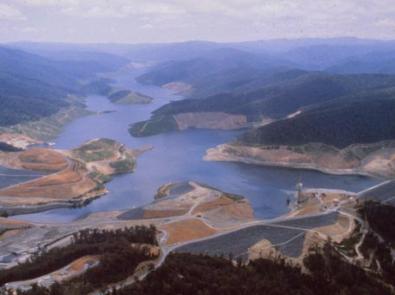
(129, 97)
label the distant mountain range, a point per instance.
(313, 90)
(309, 88)
(334, 109)
(219, 70)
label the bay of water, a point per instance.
(177, 156)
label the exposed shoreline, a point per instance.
(48, 128)
(220, 153)
(31, 209)
(76, 177)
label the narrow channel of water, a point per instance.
(177, 156)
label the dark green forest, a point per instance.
(339, 125)
(194, 274)
(337, 109)
(33, 86)
(118, 259)
(288, 92)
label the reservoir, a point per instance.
(177, 156)
(14, 176)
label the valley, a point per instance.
(139, 166)
(176, 152)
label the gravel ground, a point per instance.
(294, 248)
(132, 214)
(311, 222)
(237, 243)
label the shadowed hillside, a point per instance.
(339, 124)
(33, 87)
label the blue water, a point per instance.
(13, 176)
(177, 156)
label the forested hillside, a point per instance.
(216, 71)
(190, 274)
(33, 86)
(374, 62)
(338, 124)
(284, 97)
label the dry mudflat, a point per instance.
(187, 230)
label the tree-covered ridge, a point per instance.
(32, 86)
(320, 95)
(118, 259)
(85, 242)
(379, 242)
(381, 219)
(197, 274)
(293, 90)
(339, 124)
(217, 71)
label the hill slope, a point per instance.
(215, 71)
(365, 119)
(289, 92)
(33, 86)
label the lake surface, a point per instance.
(177, 156)
(14, 176)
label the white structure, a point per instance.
(300, 198)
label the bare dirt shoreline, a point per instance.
(379, 163)
(76, 177)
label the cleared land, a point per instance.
(182, 121)
(37, 159)
(17, 140)
(70, 183)
(193, 199)
(237, 243)
(76, 177)
(310, 222)
(210, 120)
(179, 87)
(187, 230)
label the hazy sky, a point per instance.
(134, 21)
